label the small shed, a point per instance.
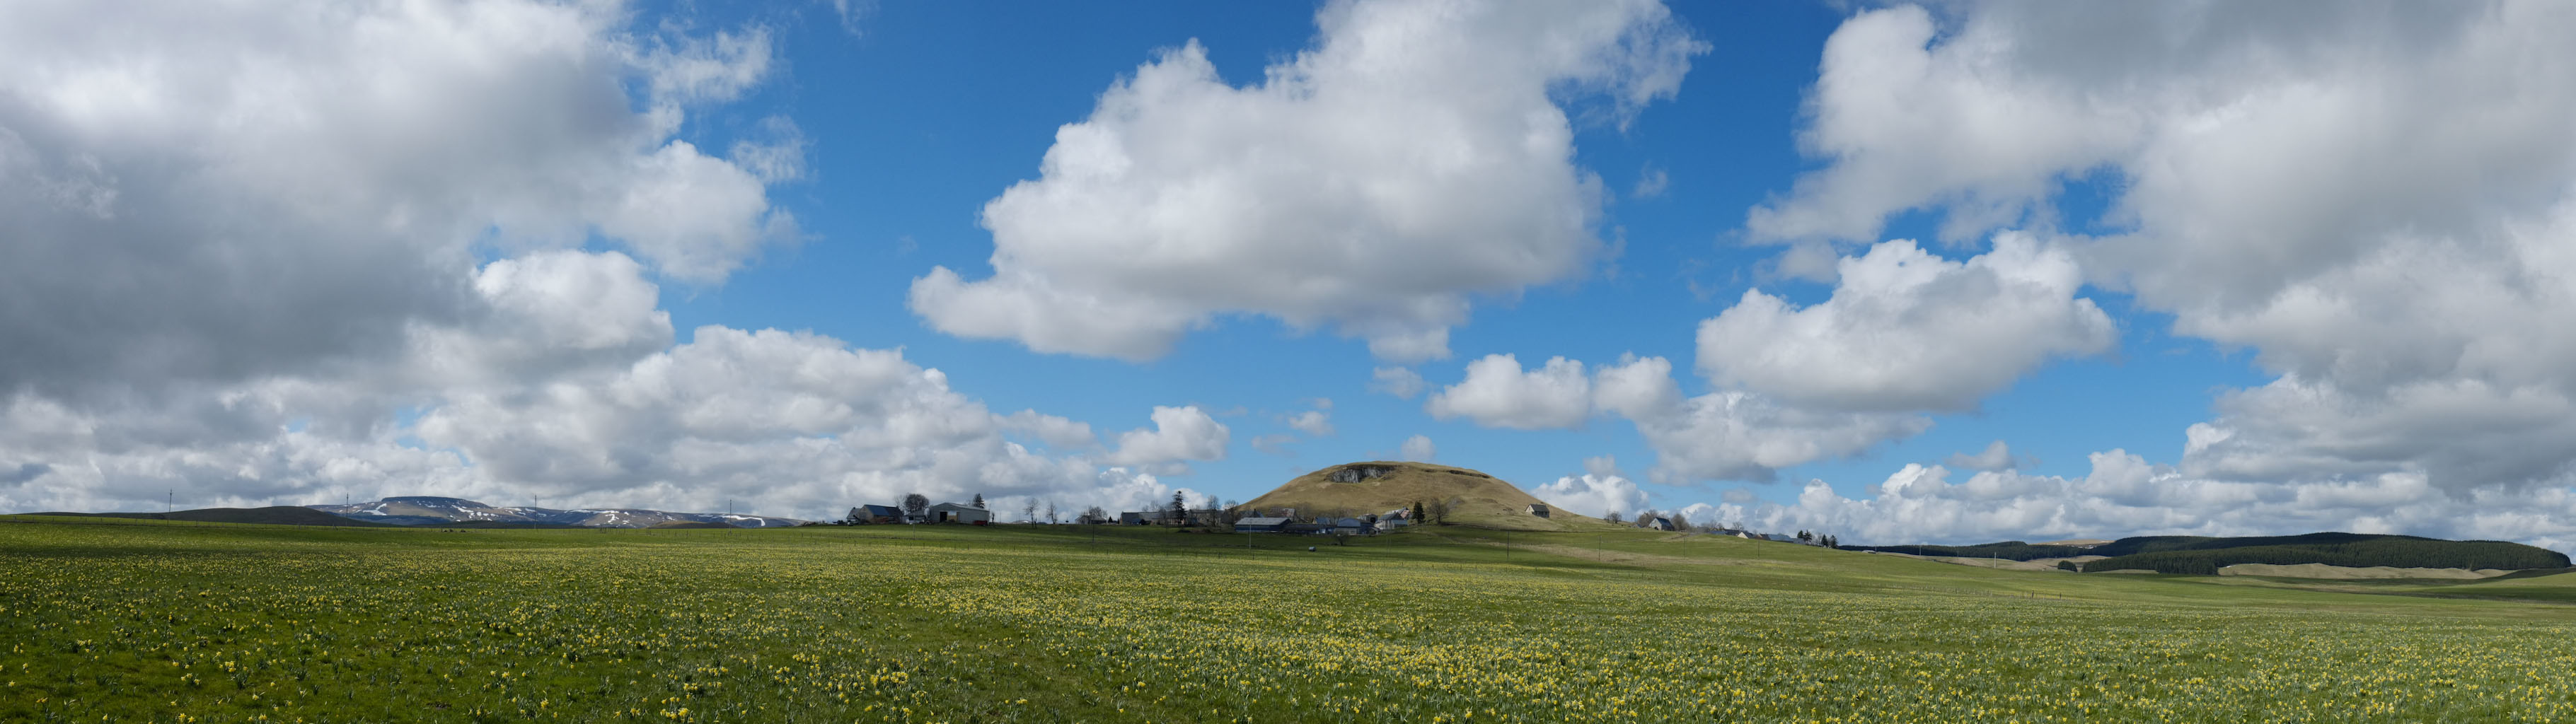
(1657, 523)
(1538, 509)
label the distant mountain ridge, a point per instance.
(435, 510)
(2204, 555)
(272, 515)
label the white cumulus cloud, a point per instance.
(1418, 449)
(251, 189)
(1179, 434)
(1906, 330)
(1402, 382)
(1996, 456)
(2373, 198)
(1593, 495)
(1497, 393)
(1418, 155)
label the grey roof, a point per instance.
(1261, 521)
(958, 506)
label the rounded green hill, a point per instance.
(1475, 498)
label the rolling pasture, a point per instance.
(148, 621)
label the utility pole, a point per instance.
(171, 504)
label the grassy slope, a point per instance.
(1118, 624)
(1482, 500)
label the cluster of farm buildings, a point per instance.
(1282, 521)
(942, 513)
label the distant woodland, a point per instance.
(2205, 555)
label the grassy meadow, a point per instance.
(149, 621)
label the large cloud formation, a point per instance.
(1905, 333)
(253, 188)
(298, 252)
(559, 396)
(1906, 330)
(1420, 154)
(1727, 434)
(2376, 198)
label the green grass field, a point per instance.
(150, 621)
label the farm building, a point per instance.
(959, 513)
(1656, 523)
(1261, 525)
(874, 514)
(1538, 509)
(1147, 517)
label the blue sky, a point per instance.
(930, 109)
(2197, 269)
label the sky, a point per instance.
(1955, 272)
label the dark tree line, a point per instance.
(2392, 551)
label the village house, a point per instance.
(959, 513)
(1656, 523)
